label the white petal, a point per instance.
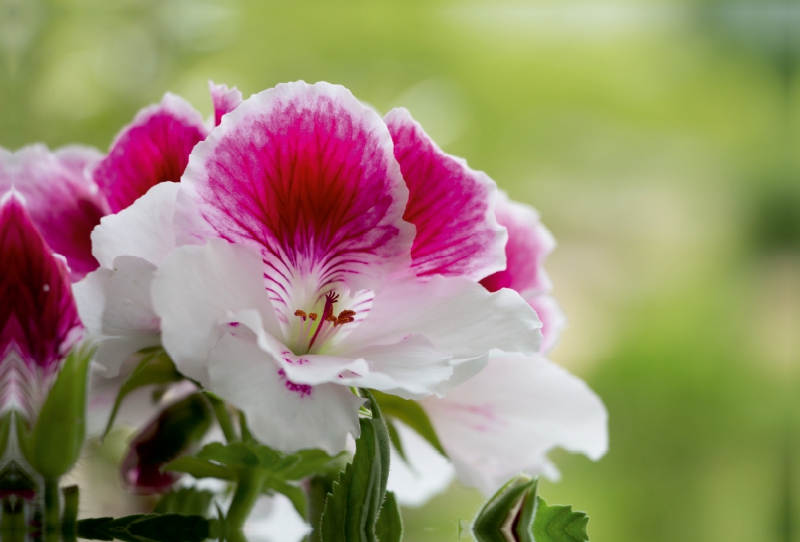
(509, 416)
(195, 288)
(144, 229)
(425, 474)
(115, 307)
(459, 316)
(281, 414)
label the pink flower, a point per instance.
(282, 270)
(62, 200)
(38, 318)
(507, 417)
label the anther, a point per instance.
(313, 316)
(301, 314)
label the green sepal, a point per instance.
(235, 455)
(558, 523)
(155, 368)
(497, 518)
(353, 507)
(292, 492)
(390, 522)
(410, 413)
(394, 438)
(5, 431)
(55, 442)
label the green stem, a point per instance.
(249, 487)
(52, 504)
(71, 498)
(223, 417)
(12, 526)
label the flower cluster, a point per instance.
(288, 251)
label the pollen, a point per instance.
(313, 316)
(301, 314)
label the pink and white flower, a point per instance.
(510, 415)
(38, 319)
(282, 270)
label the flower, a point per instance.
(62, 200)
(511, 414)
(282, 271)
(38, 319)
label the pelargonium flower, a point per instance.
(510, 415)
(295, 274)
(63, 201)
(38, 319)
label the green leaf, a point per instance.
(201, 468)
(309, 462)
(155, 368)
(352, 508)
(410, 413)
(57, 438)
(186, 501)
(394, 437)
(496, 519)
(235, 455)
(273, 461)
(294, 493)
(148, 528)
(390, 522)
(558, 523)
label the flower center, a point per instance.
(316, 329)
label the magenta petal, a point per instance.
(451, 205)
(38, 318)
(306, 173)
(529, 243)
(152, 149)
(225, 100)
(61, 198)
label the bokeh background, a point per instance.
(658, 139)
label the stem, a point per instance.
(71, 497)
(249, 487)
(223, 417)
(12, 525)
(52, 504)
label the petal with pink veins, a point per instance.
(282, 414)
(451, 205)
(225, 100)
(306, 174)
(153, 149)
(38, 318)
(60, 196)
(529, 243)
(507, 418)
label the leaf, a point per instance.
(496, 520)
(352, 508)
(61, 419)
(394, 437)
(294, 493)
(201, 468)
(186, 501)
(410, 413)
(148, 528)
(155, 368)
(234, 455)
(309, 462)
(273, 461)
(558, 523)
(390, 522)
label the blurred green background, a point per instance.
(658, 139)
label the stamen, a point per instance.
(323, 330)
(301, 314)
(313, 316)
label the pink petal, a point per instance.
(225, 100)
(552, 318)
(305, 173)
(62, 200)
(451, 205)
(38, 318)
(529, 243)
(154, 148)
